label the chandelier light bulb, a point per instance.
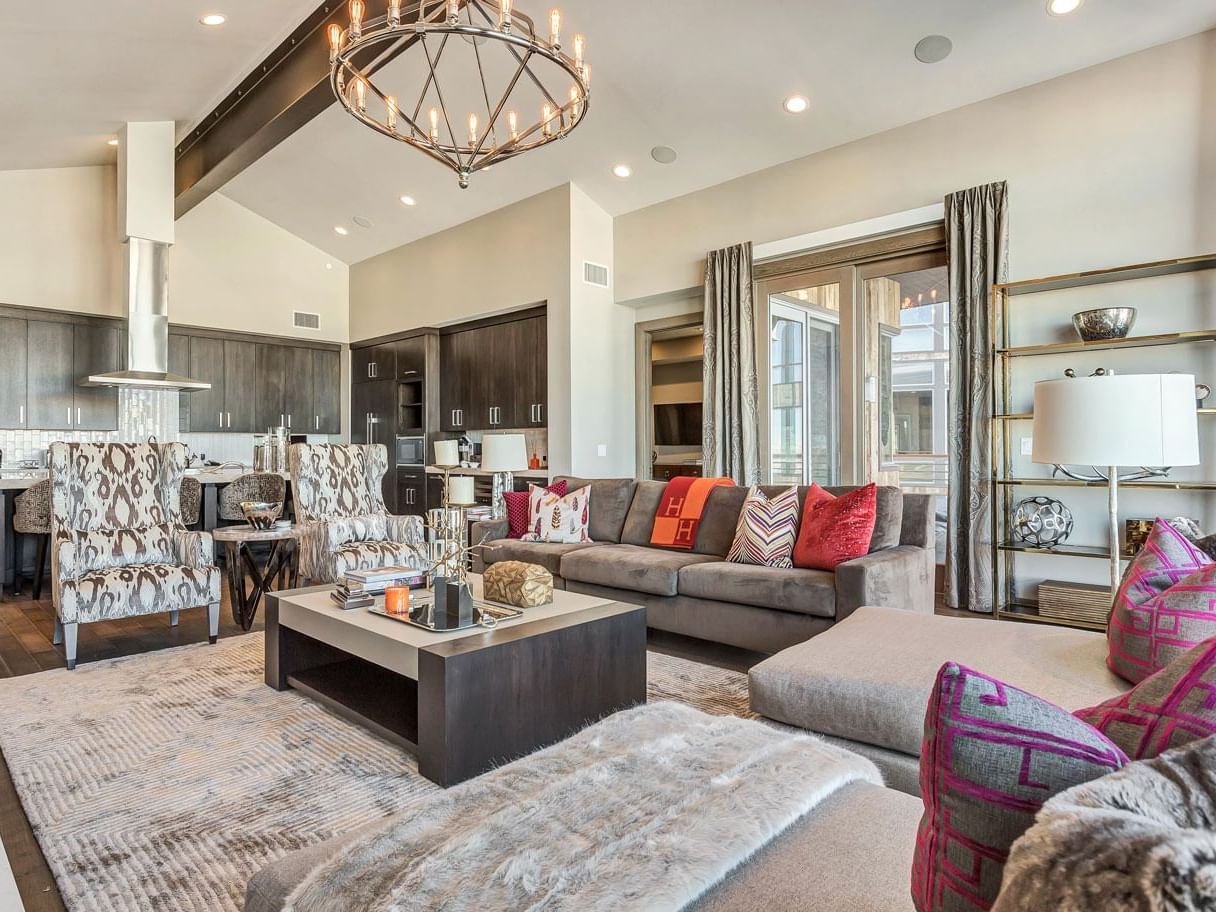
(473, 130)
(434, 126)
(513, 125)
(555, 28)
(361, 96)
(453, 11)
(580, 47)
(335, 40)
(586, 74)
(575, 100)
(394, 12)
(390, 104)
(504, 15)
(357, 8)
(546, 114)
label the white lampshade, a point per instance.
(504, 453)
(1117, 420)
(460, 491)
(447, 452)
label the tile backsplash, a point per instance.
(536, 439)
(141, 414)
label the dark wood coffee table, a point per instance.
(462, 702)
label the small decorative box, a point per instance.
(519, 584)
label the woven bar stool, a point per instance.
(266, 487)
(32, 516)
(191, 501)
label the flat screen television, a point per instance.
(678, 425)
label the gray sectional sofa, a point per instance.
(699, 594)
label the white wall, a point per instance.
(1108, 165)
(59, 240)
(232, 269)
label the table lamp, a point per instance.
(503, 454)
(1116, 420)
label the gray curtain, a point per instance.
(731, 420)
(977, 241)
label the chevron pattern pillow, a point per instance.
(1164, 605)
(1173, 707)
(992, 755)
(766, 530)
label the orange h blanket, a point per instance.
(679, 514)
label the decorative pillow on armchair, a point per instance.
(343, 530)
(766, 530)
(835, 529)
(103, 549)
(518, 503)
(1173, 707)
(992, 755)
(557, 519)
(1164, 605)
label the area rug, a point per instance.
(164, 781)
(647, 809)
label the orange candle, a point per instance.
(397, 600)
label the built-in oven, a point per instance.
(411, 451)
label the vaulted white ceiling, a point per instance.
(73, 72)
(705, 77)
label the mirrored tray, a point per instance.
(422, 614)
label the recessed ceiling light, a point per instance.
(624, 172)
(408, 200)
(112, 142)
(362, 221)
(664, 155)
(329, 265)
(796, 104)
(1062, 7)
(933, 49)
(213, 19)
(339, 229)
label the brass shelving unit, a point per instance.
(1007, 605)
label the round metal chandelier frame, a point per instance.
(431, 24)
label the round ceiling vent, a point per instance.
(933, 48)
(362, 221)
(664, 155)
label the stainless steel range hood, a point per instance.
(145, 216)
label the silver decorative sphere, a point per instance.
(1042, 522)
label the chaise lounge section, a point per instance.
(699, 594)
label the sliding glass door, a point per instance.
(807, 379)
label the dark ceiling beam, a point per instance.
(283, 93)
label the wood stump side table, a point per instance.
(282, 564)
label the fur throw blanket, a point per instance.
(1139, 840)
(646, 809)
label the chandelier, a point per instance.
(487, 86)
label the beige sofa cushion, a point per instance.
(810, 592)
(868, 679)
(647, 570)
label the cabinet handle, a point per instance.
(78, 421)
(316, 421)
(288, 419)
(221, 419)
(540, 412)
(229, 419)
(21, 419)
(69, 416)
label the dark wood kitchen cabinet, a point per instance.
(299, 392)
(495, 376)
(179, 363)
(411, 358)
(13, 347)
(376, 362)
(230, 367)
(411, 492)
(65, 354)
(327, 391)
(270, 380)
(207, 365)
(298, 388)
(97, 349)
(240, 386)
(372, 416)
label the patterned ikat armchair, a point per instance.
(118, 546)
(337, 496)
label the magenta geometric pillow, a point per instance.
(1164, 605)
(992, 755)
(1173, 707)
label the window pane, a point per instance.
(804, 388)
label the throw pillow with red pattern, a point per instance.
(835, 529)
(517, 507)
(1166, 604)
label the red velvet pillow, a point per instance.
(517, 507)
(835, 529)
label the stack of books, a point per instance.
(359, 588)
(1078, 602)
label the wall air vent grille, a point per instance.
(305, 320)
(595, 274)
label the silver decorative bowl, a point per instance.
(1104, 323)
(259, 514)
